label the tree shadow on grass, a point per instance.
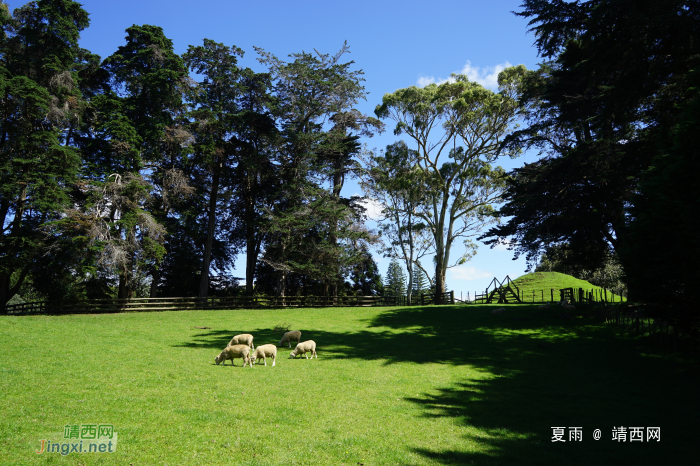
(219, 339)
(543, 372)
(553, 373)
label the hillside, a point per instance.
(540, 282)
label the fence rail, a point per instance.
(102, 306)
(572, 295)
(447, 297)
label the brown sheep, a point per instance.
(233, 352)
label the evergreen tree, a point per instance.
(395, 281)
(365, 277)
(601, 109)
(311, 231)
(132, 144)
(420, 281)
(39, 64)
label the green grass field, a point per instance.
(542, 282)
(409, 386)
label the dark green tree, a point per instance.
(256, 182)
(395, 280)
(421, 284)
(601, 110)
(215, 113)
(661, 255)
(311, 230)
(134, 126)
(365, 279)
(39, 63)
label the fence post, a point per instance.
(452, 296)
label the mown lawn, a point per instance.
(408, 386)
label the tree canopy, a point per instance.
(458, 183)
(606, 112)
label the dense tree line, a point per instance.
(126, 177)
(612, 110)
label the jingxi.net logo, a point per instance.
(82, 438)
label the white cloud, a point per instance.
(503, 246)
(425, 80)
(467, 272)
(374, 208)
(486, 76)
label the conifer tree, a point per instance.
(395, 281)
(39, 63)
(420, 281)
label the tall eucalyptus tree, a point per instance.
(459, 183)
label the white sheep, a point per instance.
(242, 339)
(565, 305)
(264, 352)
(308, 346)
(232, 352)
(289, 336)
(500, 310)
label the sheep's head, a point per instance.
(219, 358)
(293, 354)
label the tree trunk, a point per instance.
(281, 283)
(155, 279)
(204, 279)
(125, 289)
(252, 240)
(251, 260)
(4, 290)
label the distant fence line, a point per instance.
(567, 294)
(635, 319)
(103, 306)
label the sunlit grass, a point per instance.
(408, 386)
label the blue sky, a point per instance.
(397, 44)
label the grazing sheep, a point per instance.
(565, 304)
(289, 336)
(498, 311)
(232, 352)
(264, 352)
(308, 346)
(242, 339)
(544, 306)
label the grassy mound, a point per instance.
(539, 284)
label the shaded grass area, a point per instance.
(420, 385)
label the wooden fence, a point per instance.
(674, 336)
(102, 306)
(431, 298)
(569, 294)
